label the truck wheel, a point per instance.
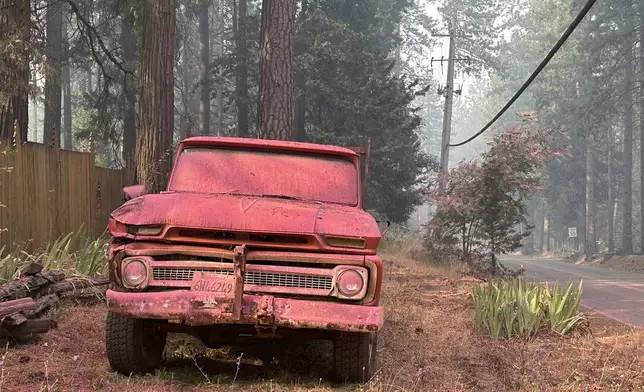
(133, 345)
(354, 356)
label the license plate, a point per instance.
(221, 285)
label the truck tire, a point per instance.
(354, 356)
(133, 345)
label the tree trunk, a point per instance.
(204, 36)
(299, 132)
(611, 195)
(220, 75)
(398, 63)
(641, 126)
(88, 84)
(53, 88)
(546, 232)
(128, 43)
(590, 199)
(34, 107)
(542, 233)
(627, 230)
(14, 70)
(67, 93)
(241, 68)
(275, 109)
(156, 103)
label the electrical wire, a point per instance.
(536, 72)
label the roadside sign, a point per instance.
(572, 232)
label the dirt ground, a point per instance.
(428, 344)
(632, 263)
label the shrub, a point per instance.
(9, 265)
(512, 307)
(75, 253)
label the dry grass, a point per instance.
(428, 344)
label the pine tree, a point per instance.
(275, 109)
(156, 103)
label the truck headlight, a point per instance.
(350, 283)
(135, 273)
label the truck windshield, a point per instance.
(264, 173)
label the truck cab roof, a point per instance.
(264, 144)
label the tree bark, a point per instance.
(89, 83)
(53, 88)
(220, 75)
(611, 195)
(240, 26)
(128, 43)
(627, 230)
(546, 232)
(590, 199)
(542, 231)
(641, 99)
(73, 284)
(14, 288)
(14, 70)
(67, 93)
(275, 109)
(204, 36)
(34, 108)
(156, 103)
(299, 131)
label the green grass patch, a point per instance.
(512, 307)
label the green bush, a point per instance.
(75, 253)
(9, 265)
(512, 307)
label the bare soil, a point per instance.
(632, 263)
(428, 344)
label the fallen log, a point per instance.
(13, 320)
(73, 284)
(15, 306)
(42, 304)
(27, 328)
(31, 269)
(29, 283)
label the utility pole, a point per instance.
(449, 98)
(449, 92)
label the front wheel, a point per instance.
(133, 345)
(354, 356)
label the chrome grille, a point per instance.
(273, 279)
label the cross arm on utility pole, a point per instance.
(449, 93)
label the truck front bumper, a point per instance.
(202, 309)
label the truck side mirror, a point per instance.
(133, 191)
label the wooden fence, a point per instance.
(46, 192)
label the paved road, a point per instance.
(615, 294)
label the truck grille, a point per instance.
(271, 279)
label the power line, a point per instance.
(536, 72)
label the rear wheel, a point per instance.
(134, 345)
(354, 356)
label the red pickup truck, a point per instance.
(252, 236)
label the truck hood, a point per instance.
(247, 214)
